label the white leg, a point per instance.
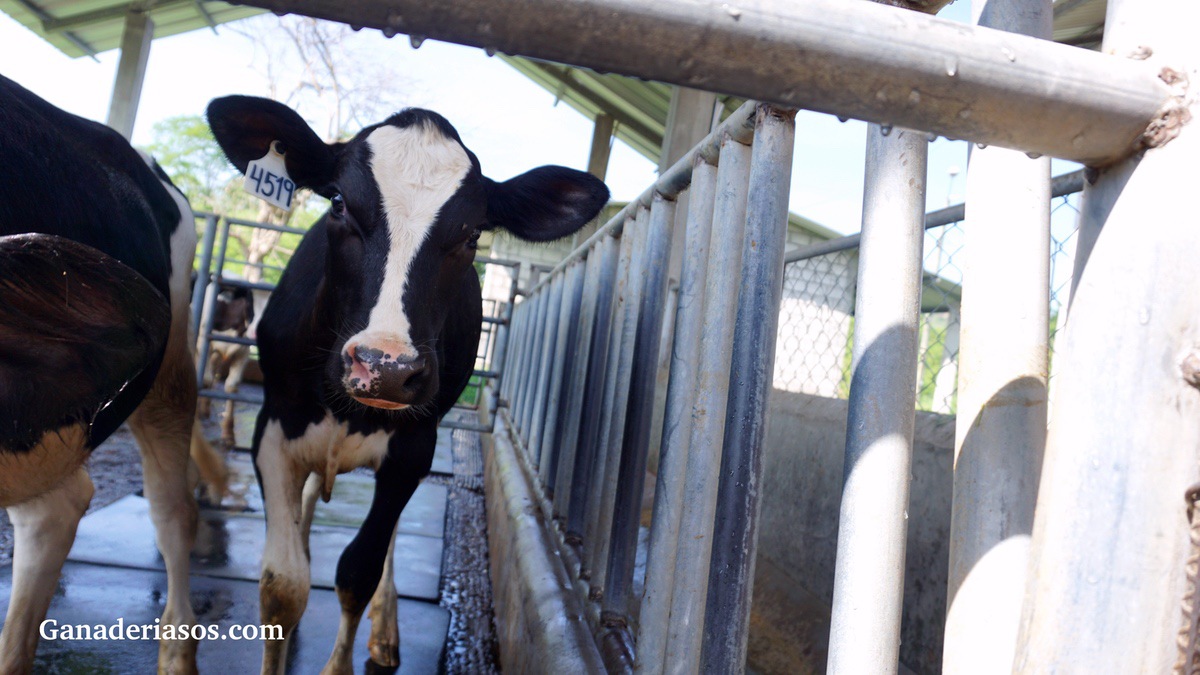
(43, 531)
(163, 425)
(237, 370)
(211, 465)
(384, 643)
(285, 582)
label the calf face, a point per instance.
(407, 204)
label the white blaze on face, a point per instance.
(417, 170)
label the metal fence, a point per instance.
(816, 324)
(582, 393)
(215, 262)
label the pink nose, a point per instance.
(383, 374)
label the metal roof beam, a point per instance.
(114, 13)
(855, 59)
(45, 17)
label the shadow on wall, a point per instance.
(803, 466)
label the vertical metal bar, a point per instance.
(206, 334)
(203, 276)
(599, 523)
(583, 480)
(518, 351)
(1000, 432)
(545, 356)
(576, 381)
(561, 383)
(735, 534)
(868, 585)
(681, 388)
(1110, 567)
(708, 412)
(562, 361)
(513, 351)
(651, 296)
(524, 393)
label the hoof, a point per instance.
(177, 657)
(384, 652)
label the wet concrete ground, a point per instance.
(114, 569)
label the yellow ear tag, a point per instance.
(267, 179)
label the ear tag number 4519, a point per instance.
(267, 179)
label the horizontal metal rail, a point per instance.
(854, 59)
(264, 226)
(1061, 186)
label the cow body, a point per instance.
(371, 334)
(82, 194)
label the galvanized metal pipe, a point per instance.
(735, 532)
(546, 356)
(206, 333)
(672, 464)
(881, 64)
(1000, 433)
(868, 585)
(588, 463)
(568, 324)
(613, 436)
(203, 275)
(513, 352)
(1109, 567)
(572, 445)
(526, 393)
(651, 295)
(708, 412)
(597, 527)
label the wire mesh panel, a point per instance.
(816, 323)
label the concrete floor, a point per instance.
(114, 571)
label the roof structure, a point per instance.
(89, 27)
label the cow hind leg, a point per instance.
(163, 426)
(384, 643)
(43, 531)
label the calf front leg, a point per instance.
(43, 530)
(362, 563)
(284, 585)
(384, 643)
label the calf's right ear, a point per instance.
(245, 127)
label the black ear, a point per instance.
(245, 126)
(544, 204)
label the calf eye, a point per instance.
(337, 205)
(473, 242)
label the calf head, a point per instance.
(235, 309)
(407, 204)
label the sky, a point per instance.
(510, 123)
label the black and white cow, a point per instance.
(96, 249)
(371, 334)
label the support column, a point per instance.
(868, 587)
(1001, 423)
(131, 70)
(1108, 565)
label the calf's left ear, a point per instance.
(547, 203)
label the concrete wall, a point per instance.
(803, 466)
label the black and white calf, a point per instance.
(371, 334)
(95, 255)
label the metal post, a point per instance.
(681, 387)
(613, 434)
(1110, 570)
(735, 533)
(868, 584)
(203, 275)
(513, 351)
(545, 357)
(131, 70)
(577, 381)
(1000, 433)
(568, 318)
(651, 296)
(708, 413)
(525, 388)
(583, 481)
(206, 333)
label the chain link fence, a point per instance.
(816, 321)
